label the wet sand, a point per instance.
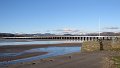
(21, 48)
(73, 60)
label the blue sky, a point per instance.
(41, 16)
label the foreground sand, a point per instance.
(74, 60)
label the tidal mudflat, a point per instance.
(13, 54)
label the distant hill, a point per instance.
(48, 34)
(9, 35)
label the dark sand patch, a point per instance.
(25, 55)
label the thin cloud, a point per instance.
(113, 28)
(65, 31)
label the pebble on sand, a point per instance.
(70, 57)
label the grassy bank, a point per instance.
(113, 59)
(116, 60)
(90, 46)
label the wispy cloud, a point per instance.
(68, 31)
(113, 28)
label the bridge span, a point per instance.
(82, 38)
